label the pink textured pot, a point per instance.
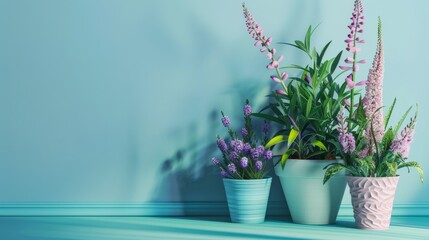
(372, 200)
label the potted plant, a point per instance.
(305, 109)
(244, 167)
(374, 151)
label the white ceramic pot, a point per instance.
(309, 201)
(372, 200)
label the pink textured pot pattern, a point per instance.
(372, 200)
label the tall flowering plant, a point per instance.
(305, 106)
(369, 149)
(245, 157)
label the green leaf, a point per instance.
(309, 104)
(389, 113)
(414, 165)
(313, 154)
(307, 38)
(323, 53)
(332, 170)
(360, 114)
(275, 140)
(392, 167)
(335, 62)
(268, 117)
(301, 45)
(388, 139)
(319, 144)
(395, 132)
(292, 136)
(286, 155)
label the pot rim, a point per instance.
(350, 176)
(248, 180)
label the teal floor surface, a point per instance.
(205, 228)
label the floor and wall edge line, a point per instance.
(168, 209)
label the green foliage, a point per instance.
(383, 162)
(307, 113)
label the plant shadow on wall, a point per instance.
(188, 174)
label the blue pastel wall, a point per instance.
(118, 101)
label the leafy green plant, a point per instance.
(370, 147)
(307, 105)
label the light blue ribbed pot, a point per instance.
(247, 199)
(309, 200)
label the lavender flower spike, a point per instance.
(258, 165)
(225, 121)
(244, 132)
(244, 162)
(232, 168)
(247, 110)
(373, 100)
(222, 145)
(215, 161)
(401, 144)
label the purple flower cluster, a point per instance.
(247, 148)
(215, 161)
(257, 152)
(242, 158)
(222, 145)
(268, 155)
(225, 121)
(258, 165)
(244, 162)
(232, 168)
(347, 142)
(346, 139)
(247, 110)
(402, 142)
(244, 132)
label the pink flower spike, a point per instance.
(284, 76)
(361, 83)
(350, 35)
(273, 51)
(263, 49)
(360, 31)
(350, 27)
(347, 102)
(280, 58)
(362, 61)
(281, 92)
(275, 78)
(257, 43)
(349, 60)
(269, 55)
(348, 40)
(350, 84)
(355, 68)
(270, 65)
(269, 40)
(345, 68)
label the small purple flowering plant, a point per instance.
(368, 148)
(245, 157)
